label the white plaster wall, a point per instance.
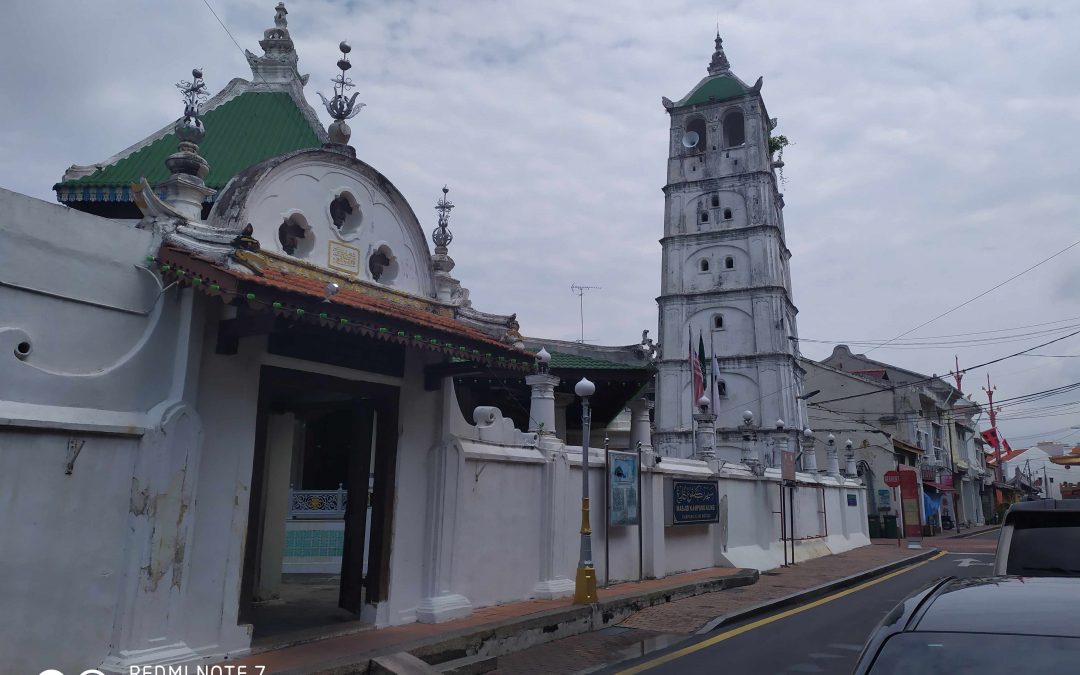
(64, 542)
(227, 404)
(497, 548)
(418, 433)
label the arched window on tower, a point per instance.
(704, 265)
(718, 322)
(727, 214)
(715, 201)
(729, 263)
(734, 129)
(704, 216)
(695, 131)
(721, 388)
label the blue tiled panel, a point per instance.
(313, 543)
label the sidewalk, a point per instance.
(493, 630)
(660, 626)
(966, 540)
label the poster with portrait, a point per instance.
(622, 488)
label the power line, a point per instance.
(978, 332)
(980, 295)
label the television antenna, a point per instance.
(580, 291)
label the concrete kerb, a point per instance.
(810, 594)
(974, 533)
(514, 634)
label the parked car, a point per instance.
(1040, 538)
(982, 625)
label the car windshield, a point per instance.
(1048, 545)
(975, 653)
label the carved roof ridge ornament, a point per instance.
(442, 235)
(719, 63)
(339, 106)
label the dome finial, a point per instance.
(340, 107)
(719, 63)
(442, 235)
(190, 130)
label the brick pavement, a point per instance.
(673, 621)
(368, 642)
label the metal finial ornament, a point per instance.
(442, 235)
(339, 106)
(190, 127)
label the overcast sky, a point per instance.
(934, 147)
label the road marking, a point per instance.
(734, 632)
(969, 553)
(968, 562)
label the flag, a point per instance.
(703, 364)
(697, 377)
(714, 386)
(1005, 445)
(991, 437)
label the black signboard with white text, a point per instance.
(693, 502)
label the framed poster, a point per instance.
(694, 502)
(623, 499)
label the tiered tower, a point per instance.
(725, 272)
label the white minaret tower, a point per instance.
(725, 277)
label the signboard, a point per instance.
(909, 500)
(884, 499)
(852, 499)
(694, 502)
(947, 480)
(344, 258)
(787, 465)
(622, 488)
(892, 478)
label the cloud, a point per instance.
(933, 152)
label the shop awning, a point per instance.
(938, 486)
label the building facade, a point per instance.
(725, 280)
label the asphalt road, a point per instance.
(825, 638)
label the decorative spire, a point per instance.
(340, 107)
(442, 235)
(719, 63)
(190, 130)
(278, 63)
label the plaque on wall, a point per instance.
(694, 502)
(344, 258)
(622, 488)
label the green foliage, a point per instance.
(778, 143)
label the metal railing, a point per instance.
(318, 504)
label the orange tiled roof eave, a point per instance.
(351, 308)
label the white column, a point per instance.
(704, 436)
(809, 451)
(555, 542)
(833, 467)
(446, 465)
(850, 469)
(542, 407)
(279, 451)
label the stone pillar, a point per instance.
(705, 436)
(279, 452)
(640, 431)
(562, 402)
(542, 408)
(833, 466)
(555, 545)
(850, 469)
(654, 550)
(809, 448)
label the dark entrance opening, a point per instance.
(318, 539)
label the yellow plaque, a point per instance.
(344, 258)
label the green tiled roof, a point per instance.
(716, 89)
(239, 133)
(563, 361)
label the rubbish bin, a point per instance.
(875, 527)
(889, 530)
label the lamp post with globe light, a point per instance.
(585, 583)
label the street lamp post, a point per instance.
(585, 584)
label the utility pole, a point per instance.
(580, 290)
(993, 425)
